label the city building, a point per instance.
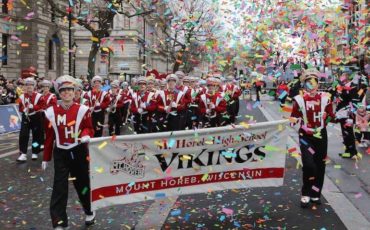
(31, 35)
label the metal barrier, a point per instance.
(10, 119)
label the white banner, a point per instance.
(141, 167)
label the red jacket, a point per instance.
(311, 106)
(168, 97)
(65, 127)
(232, 90)
(217, 99)
(35, 99)
(95, 97)
(146, 101)
(50, 100)
(281, 88)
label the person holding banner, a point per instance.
(99, 101)
(70, 127)
(313, 110)
(31, 104)
(114, 109)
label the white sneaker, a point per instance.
(59, 228)
(34, 156)
(90, 219)
(362, 145)
(22, 158)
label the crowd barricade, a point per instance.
(10, 119)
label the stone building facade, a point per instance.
(126, 47)
(32, 36)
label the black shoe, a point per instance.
(316, 200)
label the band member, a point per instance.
(80, 95)
(346, 96)
(98, 101)
(31, 104)
(213, 104)
(49, 98)
(70, 127)
(174, 104)
(126, 102)
(114, 109)
(160, 114)
(313, 111)
(192, 116)
(232, 94)
(135, 103)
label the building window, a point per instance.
(51, 55)
(5, 49)
(5, 6)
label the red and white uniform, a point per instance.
(126, 95)
(232, 90)
(35, 99)
(313, 111)
(116, 101)
(66, 127)
(207, 100)
(168, 97)
(98, 97)
(146, 101)
(50, 100)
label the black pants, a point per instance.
(136, 120)
(98, 117)
(161, 122)
(314, 151)
(191, 117)
(114, 123)
(124, 112)
(282, 100)
(176, 122)
(146, 123)
(258, 91)
(73, 162)
(33, 123)
(348, 137)
(361, 136)
(232, 110)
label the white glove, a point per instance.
(97, 104)
(44, 165)
(142, 105)
(85, 139)
(140, 110)
(212, 106)
(108, 110)
(30, 106)
(349, 121)
(167, 109)
(208, 111)
(174, 105)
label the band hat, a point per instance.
(45, 83)
(309, 73)
(97, 78)
(230, 78)
(79, 84)
(141, 80)
(65, 82)
(30, 81)
(172, 77)
(186, 78)
(180, 74)
(114, 83)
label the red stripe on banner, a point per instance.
(174, 182)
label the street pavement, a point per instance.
(25, 192)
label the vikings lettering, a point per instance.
(205, 158)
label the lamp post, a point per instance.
(70, 38)
(74, 46)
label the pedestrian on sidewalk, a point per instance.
(70, 127)
(362, 124)
(313, 110)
